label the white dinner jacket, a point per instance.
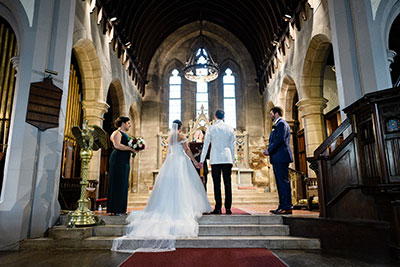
(222, 139)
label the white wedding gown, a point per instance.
(177, 201)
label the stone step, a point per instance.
(240, 219)
(212, 219)
(243, 230)
(210, 230)
(255, 198)
(105, 243)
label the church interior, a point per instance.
(331, 65)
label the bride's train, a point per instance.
(177, 202)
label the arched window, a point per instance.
(202, 90)
(229, 98)
(175, 82)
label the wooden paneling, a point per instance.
(393, 156)
(360, 178)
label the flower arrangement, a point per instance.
(136, 143)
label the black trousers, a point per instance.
(205, 171)
(226, 170)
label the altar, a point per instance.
(242, 175)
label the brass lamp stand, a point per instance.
(83, 216)
(90, 138)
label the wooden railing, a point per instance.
(358, 165)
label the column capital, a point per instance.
(390, 56)
(312, 105)
(15, 61)
(93, 111)
(292, 124)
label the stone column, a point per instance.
(93, 111)
(293, 131)
(314, 126)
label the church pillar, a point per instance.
(360, 58)
(29, 199)
(314, 130)
(93, 111)
(293, 132)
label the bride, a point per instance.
(177, 201)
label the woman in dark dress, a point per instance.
(118, 180)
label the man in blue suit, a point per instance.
(280, 157)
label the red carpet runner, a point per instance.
(236, 211)
(207, 257)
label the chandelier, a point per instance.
(201, 66)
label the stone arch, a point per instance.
(116, 105)
(313, 68)
(389, 14)
(93, 104)
(134, 115)
(267, 120)
(17, 23)
(117, 97)
(287, 100)
(311, 102)
(393, 51)
(134, 176)
(89, 64)
(287, 97)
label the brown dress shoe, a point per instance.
(283, 212)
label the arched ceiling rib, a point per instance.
(147, 23)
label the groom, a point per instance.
(222, 138)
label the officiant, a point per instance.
(196, 147)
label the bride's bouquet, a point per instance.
(136, 143)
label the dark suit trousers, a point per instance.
(216, 175)
(205, 173)
(281, 172)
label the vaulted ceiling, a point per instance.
(142, 25)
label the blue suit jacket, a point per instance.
(279, 143)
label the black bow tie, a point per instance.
(273, 126)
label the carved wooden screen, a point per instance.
(390, 113)
(8, 49)
(70, 158)
(368, 157)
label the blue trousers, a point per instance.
(281, 172)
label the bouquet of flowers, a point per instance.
(136, 143)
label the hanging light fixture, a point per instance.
(201, 66)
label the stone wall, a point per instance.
(101, 70)
(227, 51)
